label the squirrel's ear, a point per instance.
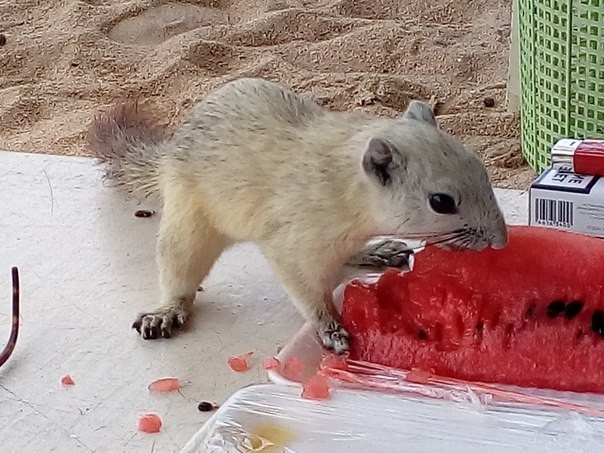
(420, 111)
(380, 160)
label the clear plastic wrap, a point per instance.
(272, 418)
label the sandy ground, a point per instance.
(63, 61)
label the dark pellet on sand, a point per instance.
(489, 102)
(2, 39)
(144, 213)
(438, 108)
(206, 406)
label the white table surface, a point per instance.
(87, 267)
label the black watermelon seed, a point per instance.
(555, 308)
(422, 335)
(573, 309)
(597, 322)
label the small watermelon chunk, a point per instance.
(316, 388)
(334, 362)
(531, 314)
(240, 363)
(164, 385)
(149, 423)
(293, 368)
(67, 380)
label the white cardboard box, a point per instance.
(561, 199)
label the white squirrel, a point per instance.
(254, 161)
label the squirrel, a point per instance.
(255, 161)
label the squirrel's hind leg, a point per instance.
(187, 248)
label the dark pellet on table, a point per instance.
(206, 406)
(144, 213)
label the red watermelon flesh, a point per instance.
(531, 314)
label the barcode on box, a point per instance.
(557, 213)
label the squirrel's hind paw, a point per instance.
(160, 323)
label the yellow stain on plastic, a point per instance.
(269, 438)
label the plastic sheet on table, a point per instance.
(272, 418)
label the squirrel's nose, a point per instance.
(500, 236)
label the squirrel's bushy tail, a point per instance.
(128, 143)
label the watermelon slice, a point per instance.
(531, 314)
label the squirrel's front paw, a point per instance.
(160, 323)
(334, 337)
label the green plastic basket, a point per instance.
(561, 45)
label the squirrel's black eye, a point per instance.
(443, 204)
